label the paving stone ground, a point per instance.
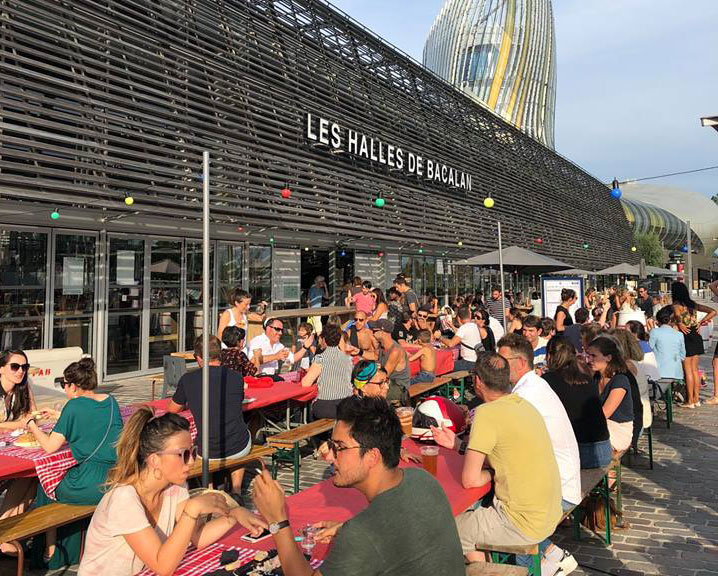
(671, 511)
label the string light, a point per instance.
(129, 200)
(488, 202)
(55, 214)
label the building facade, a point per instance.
(331, 153)
(502, 53)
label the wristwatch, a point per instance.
(275, 527)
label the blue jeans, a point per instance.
(595, 454)
(461, 364)
(524, 559)
(423, 376)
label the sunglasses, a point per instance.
(335, 448)
(280, 330)
(359, 319)
(423, 317)
(14, 366)
(187, 454)
(359, 385)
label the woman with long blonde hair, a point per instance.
(147, 519)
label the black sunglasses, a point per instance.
(14, 366)
(359, 319)
(277, 329)
(423, 316)
(335, 448)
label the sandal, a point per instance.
(712, 401)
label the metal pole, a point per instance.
(205, 319)
(689, 258)
(501, 271)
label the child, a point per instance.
(427, 353)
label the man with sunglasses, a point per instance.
(268, 351)
(395, 361)
(361, 340)
(407, 528)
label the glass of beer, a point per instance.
(429, 458)
(406, 416)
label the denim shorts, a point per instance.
(423, 376)
(595, 454)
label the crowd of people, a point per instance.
(551, 396)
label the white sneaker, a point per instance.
(567, 564)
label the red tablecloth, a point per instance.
(444, 360)
(324, 501)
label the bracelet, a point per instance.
(185, 513)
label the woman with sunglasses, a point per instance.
(147, 519)
(91, 424)
(17, 404)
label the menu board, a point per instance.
(551, 287)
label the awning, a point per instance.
(515, 257)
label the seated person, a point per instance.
(427, 355)
(266, 351)
(467, 336)
(331, 371)
(91, 424)
(532, 332)
(404, 331)
(232, 356)
(229, 436)
(307, 340)
(361, 340)
(422, 321)
(483, 321)
(16, 405)
(147, 519)
(395, 361)
(393, 535)
(509, 434)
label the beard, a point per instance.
(348, 478)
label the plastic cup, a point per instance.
(429, 458)
(406, 415)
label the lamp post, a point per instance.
(689, 258)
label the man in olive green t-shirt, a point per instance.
(408, 527)
(510, 443)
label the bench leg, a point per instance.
(20, 557)
(607, 507)
(535, 568)
(275, 466)
(650, 447)
(668, 395)
(577, 515)
(619, 495)
(296, 457)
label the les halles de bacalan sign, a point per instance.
(331, 134)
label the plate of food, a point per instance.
(26, 440)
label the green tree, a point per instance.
(648, 247)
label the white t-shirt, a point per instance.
(121, 512)
(537, 391)
(497, 328)
(261, 342)
(470, 336)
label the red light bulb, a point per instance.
(286, 193)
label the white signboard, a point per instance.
(126, 268)
(73, 275)
(551, 287)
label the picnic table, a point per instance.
(324, 501)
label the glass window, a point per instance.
(165, 279)
(23, 269)
(124, 305)
(74, 297)
(230, 271)
(260, 273)
(193, 294)
(406, 268)
(417, 281)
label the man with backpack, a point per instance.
(468, 336)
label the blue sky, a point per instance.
(634, 78)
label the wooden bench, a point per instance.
(444, 381)
(257, 453)
(38, 521)
(491, 569)
(286, 445)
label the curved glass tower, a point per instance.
(503, 53)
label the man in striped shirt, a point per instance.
(498, 305)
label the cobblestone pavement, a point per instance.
(671, 511)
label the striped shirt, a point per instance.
(335, 379)
(497, 308)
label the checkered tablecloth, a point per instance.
(51, 468)
(198, 562)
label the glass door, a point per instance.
(74, 292)
(165, 286)
(23, 278)
(125, 305)
(193, 293)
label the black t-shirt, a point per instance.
(567, 320)
(228, 434)
(583, 406)
(647, 306)
(402, 333)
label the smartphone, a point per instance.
(252, 539)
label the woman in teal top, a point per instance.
(91, 424)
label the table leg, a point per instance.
(607, 508)
(296, 463)
(668, 395)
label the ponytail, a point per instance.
(143, 435)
